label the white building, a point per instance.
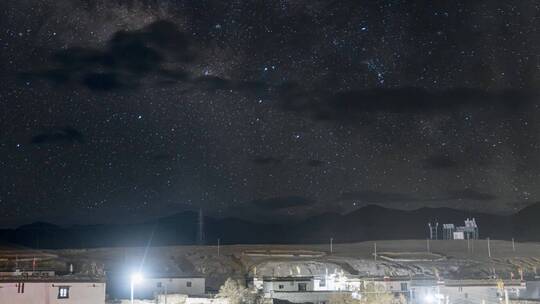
(476, 291)
(152, 286)
(337, 281)
(395, 285)
(51, 290)
(424, 291)
(287, 284)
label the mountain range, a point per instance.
(371, 222)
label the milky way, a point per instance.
(128, 110)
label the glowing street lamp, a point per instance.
(136, 278)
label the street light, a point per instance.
(136, 278)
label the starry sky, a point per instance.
(126, 110)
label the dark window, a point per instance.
(280, 286)
(403, 286)
(63, 292)
(20, 287)
(188, 284)
(322, 283)
(302, 286)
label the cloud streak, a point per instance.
(67, 135)
(378, 197)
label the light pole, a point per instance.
(136, 278)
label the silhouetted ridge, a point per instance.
(371, 222)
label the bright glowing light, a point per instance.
(136, 278)
(429, 298)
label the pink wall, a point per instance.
(47, 293)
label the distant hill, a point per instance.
(368, 223)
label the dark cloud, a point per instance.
(57, 136)
(278, 203)
(102, 81)
(159, 50)
(128, 57)
(350, 105)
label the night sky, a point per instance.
(123, 111)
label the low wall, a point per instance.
(304, 297)
(177, 299)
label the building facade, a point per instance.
(151, 287)
(53, 290)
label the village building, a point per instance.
(35, 277)
(51, 290)
(478, 291)
(162, 284)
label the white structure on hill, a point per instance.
(467, 232)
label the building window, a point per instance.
(403, 286)
(188, 284)
(20, 287)
(302, 287)
(322, 283)
(63, 292)
(158, 284)
(280, 286)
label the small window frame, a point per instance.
(63, 292)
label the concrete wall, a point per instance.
(47, 293)
(470, 294)
(532, 290)
(204, 301)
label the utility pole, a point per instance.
(489, 248)
(218, 243)
(166, 294)
(331, 245)
(200, 230)
(427, 245)
(375, 250)
(513, 245)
